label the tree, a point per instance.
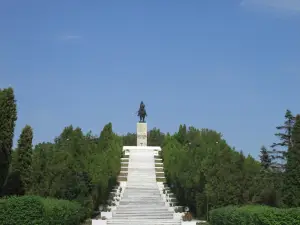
(129, 139)
(279, 150)
(8, 117)
(41, 167)
(155, 137)
(291, 194)
(265, 191)
(24, 156)
(181, 135)
(265, 159)
(106, 137)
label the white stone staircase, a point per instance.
(141, 202)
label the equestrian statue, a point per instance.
(142, 112)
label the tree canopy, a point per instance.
(203, 171)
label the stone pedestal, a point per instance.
(141, 133)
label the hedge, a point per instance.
(29, 210)
(63, 212)
(254, 215)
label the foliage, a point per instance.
(63, 212)
(291, 194)
(155, 137)
(279, 150)
(254, 214)
(79, 170)
(24, 210)
(8, 117)
(14, 185)
(75, 167)
(265, 159)
(30, 210)
(129, 139)
(24, 156)
(205, 173)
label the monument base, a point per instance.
(141, 134)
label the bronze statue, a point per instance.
(142, 112)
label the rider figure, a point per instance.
(142, 106)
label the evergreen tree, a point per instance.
(24, 156)
(279, 150)
(155, 137)
(291, 190)
(106, 137)
(129, 139)
(181, 135)
(265, 159)
(264, 183)
(8, 117)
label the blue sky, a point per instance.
(233, 66)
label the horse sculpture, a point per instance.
(142, 112)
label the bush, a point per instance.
(29, 210)
(221, 216)
(254, 215)
(25, 210)
(63, 212)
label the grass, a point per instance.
(125, 156)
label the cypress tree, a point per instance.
(24, 156)
(291, 190)
(8, 117)
(106, 137)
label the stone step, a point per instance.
(138, 203)
(150, 187)
(123, 208)
(142, 192)
(142, 196)
(132, 204)
(143, 222)
(146, 200)
(141, 213)
(144, 216)
(127, 209)
(154, 196)
(141, 202)
(144, 212)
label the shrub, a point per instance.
(220, 216)
(25, 210)
(63, 212)
(29, 210)
(254, 214)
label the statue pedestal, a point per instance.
(141, 133)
